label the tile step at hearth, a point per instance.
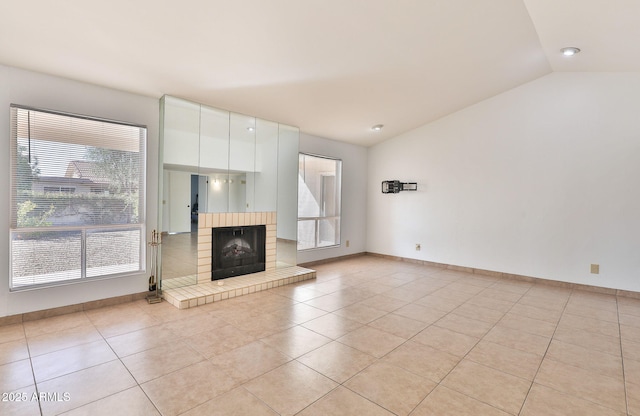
(217, 290)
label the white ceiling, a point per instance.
(332, 67)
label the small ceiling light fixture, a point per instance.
(250, 128)
(570, 51)
(377, 127)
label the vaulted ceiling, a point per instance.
(334, 68)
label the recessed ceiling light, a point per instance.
(250, 128)
(377, 127)
(570, 51)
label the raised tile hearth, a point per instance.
(208, 291)
(214, 291)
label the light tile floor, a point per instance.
(368, 337)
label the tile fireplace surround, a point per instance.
(208, 291)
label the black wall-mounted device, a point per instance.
(394, 187)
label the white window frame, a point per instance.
(322, 215)
(84, 231)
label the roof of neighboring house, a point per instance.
(84, 170)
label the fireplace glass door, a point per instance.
(237, 251)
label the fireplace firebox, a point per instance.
(237, 250)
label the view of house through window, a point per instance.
(77, 197)
(319, 183)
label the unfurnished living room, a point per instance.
(320, 207)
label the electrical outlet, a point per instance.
(418, 247)
(595, 269)
(347, 243)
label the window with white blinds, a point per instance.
(77, 197)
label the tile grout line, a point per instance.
(33, 373)
(117, 358)
(471, 349)
(573, 292)
(409, 339)
(624, 378)
(342, 384)
(128, 371)
(533, 380)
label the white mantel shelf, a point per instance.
(217, 290)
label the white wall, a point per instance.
(37, 90)
(542, 180)
(354, 195)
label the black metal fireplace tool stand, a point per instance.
(155, 282)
